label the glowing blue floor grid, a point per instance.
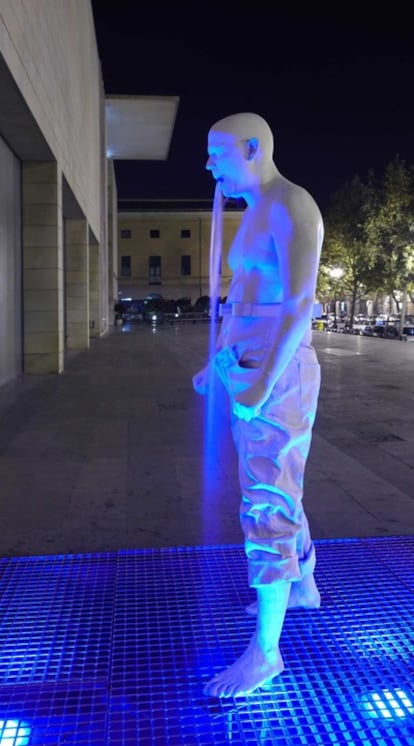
(114, 649)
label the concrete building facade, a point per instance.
(56, 286)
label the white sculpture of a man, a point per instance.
(265, 358)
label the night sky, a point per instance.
(335, 85)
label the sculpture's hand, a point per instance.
(248, 402)
(201, 381)
(245, 413)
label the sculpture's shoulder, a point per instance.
(293, 214)
(293, 200)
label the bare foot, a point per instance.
(303, 594)
(255, 668)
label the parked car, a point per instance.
(373, 330)
(157, 310)
(154, 312)
(132, 309)
(389, 331)
(408, 332)
(360, 322)
(338, 325)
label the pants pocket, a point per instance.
(237, 373)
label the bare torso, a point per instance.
(253, 260)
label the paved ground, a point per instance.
(110, 455)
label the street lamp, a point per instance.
(335, 273)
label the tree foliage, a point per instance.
(348, 243)
(369, 235)
(393, 228)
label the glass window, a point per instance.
(186, 264)
(125, 266)
(154, 233)
(125, 233)
(185, 233)
(154, 270)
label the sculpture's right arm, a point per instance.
(202, 379)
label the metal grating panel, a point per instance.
(348, 679)
(114, 649)
(55, 648)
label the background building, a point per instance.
(165, 248)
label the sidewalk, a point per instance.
(123, 575)
(110, 456)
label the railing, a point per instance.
(191, 317)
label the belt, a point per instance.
(249, 309)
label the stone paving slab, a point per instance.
(110, 454)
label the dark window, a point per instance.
(154, 233)
(186, 264)
(126, 266)
(125, 233)
(185, 233)
(154, 270)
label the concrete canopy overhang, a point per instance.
(18, 126)
(140, 127)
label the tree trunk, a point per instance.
(403, 310)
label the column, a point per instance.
(43, 281)
(94, 291)
(77, 284)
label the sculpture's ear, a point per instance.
(252, 145)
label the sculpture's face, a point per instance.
(228, 162)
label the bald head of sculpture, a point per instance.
(240, 149)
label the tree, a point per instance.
(348, 241)
(392, 229)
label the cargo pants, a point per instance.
(272, 452)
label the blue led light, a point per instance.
(388, 704)
(89, 642)
(14, 733)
